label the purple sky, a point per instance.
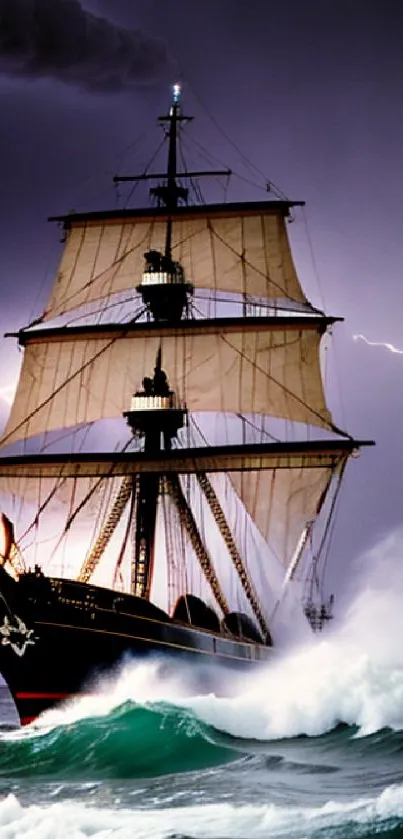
(311, 91)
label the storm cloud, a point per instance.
(59, 39)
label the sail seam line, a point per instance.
(253, 267)
(114, 265)
(281, 386)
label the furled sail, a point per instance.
(251, 365)
(239, 248)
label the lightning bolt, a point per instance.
(389, 347)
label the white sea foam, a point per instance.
(352, 674)
(142, 683)
(70, 819)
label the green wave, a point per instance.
(132, 741)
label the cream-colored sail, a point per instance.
(281, 496)
(242, 251)
(239, 368)
(282, 501)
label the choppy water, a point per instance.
(311, 747)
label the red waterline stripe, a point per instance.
(27, 720)
(42, 695)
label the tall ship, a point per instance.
(169, 468)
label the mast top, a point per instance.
(176, 93)
(171, 194)
(175, 109)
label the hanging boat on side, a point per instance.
(179, 537)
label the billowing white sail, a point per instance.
(240, 250)
(230, 366)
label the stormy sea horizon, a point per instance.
(309, 747)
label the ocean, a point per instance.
(311, 747)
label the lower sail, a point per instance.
(57, 636)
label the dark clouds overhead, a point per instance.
(59, 39)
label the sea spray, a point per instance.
(146, 720)
(351, 673)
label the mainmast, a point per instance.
(155, 418)
(154, 415)
(171, 194)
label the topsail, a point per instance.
(243, 249)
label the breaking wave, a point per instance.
(131, 741)
(322, 724)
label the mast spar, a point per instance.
(154, 415)
(172, 193)
(163, 287)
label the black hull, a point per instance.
(58, 635)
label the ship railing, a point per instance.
(143, 402)
(163, 277)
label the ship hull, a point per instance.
(58, 637)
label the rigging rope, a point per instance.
(236, 558)
(118, 576)
(169, 552)
(187, 519)
(91, 561)
(258, 271)
(69, 379)
(146, 168)
(286, 390)
(329, 527)
(212, 159)
(249, 163)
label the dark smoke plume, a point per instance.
(59, 39)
